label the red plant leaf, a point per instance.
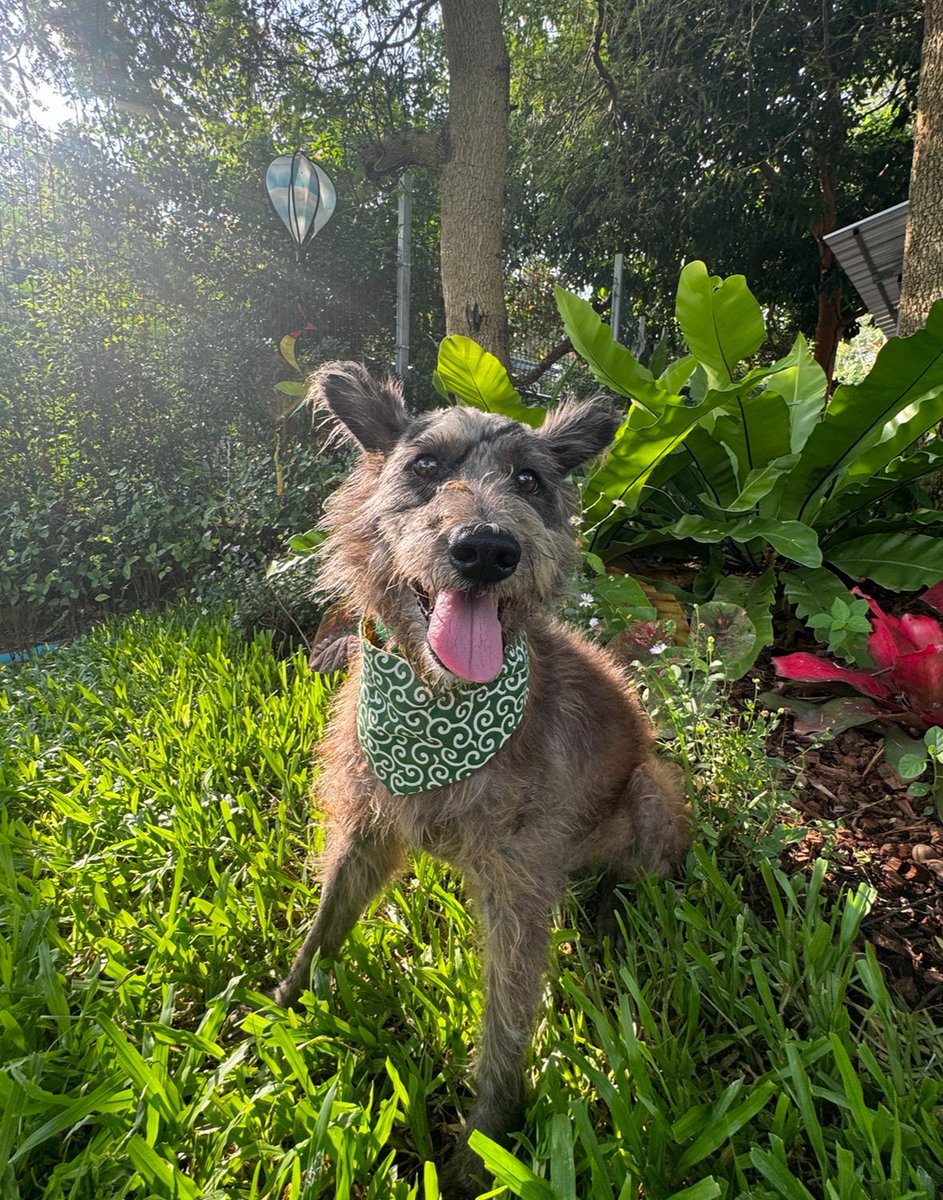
(809, 669)
(934, 596)
(922, 631)
(919, 677)
(888, 640)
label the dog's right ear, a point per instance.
(372, 413)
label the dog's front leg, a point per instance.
(355, 868)
(517, 937)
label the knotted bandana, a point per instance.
(416, 738)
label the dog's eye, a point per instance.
(427, 467)
(526, 482)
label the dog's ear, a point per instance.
(577, 431)
(372, 413)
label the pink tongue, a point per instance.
(465, 633)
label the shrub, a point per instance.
(133, 537)
(752, 470)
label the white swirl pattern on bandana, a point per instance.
(416, 739)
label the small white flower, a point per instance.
(586, 600)
(618, 504)
(593, 622)
(658, 648)
(575, 520)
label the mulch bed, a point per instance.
(861, 820)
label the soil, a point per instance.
(856, 813)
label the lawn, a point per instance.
(156, 871)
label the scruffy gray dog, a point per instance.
(474, 725)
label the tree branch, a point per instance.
(410, 148)
(601, 69)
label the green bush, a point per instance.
(134, 536)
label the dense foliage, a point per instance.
(755, 471)
(730, 132)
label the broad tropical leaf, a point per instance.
(760, 482)
(897, 436)
(612, 364)
(801, 382)
(791, 539)
(714, 463)
(905, 370)
(721, 321)
(478, 379)
(639, 445)
(900, 562)
(868, 496)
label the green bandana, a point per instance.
(417, 739)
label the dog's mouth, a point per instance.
(465, 632)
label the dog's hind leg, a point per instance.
(355, 869)
(661, 816)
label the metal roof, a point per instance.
(871, 253)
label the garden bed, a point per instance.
(861, 819)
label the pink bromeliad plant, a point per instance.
(903, 691)
(906, 684)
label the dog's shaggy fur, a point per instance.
(577, 786)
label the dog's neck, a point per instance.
(416, 737)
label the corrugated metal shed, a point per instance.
(871, 253)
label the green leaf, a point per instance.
(721, 1127)
(801, 382)
(792, 539)
(775, 1171)
(704, 1189)
(479, 380)
(639, 446)
(755, 596)
(813, 592)
(159, 1173)
(714, 465)
(760, 482)
(675, 376)
(291, 387)
(733, 635)
(509, 1170)
(900, 562)
(721, 321)
(897, 436)
(905, 371)
(756, 429)
(870, 496)
(610, 362)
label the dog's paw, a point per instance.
(463, 1177)
(288, 994)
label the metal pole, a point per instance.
(615, 321)
(403, 266)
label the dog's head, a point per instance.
(454, 527)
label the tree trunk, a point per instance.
(472, 179)
(922, 281)
(831, 323)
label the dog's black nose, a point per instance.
(484, 557)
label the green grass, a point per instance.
(156, 873)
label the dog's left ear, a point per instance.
(577, 431)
